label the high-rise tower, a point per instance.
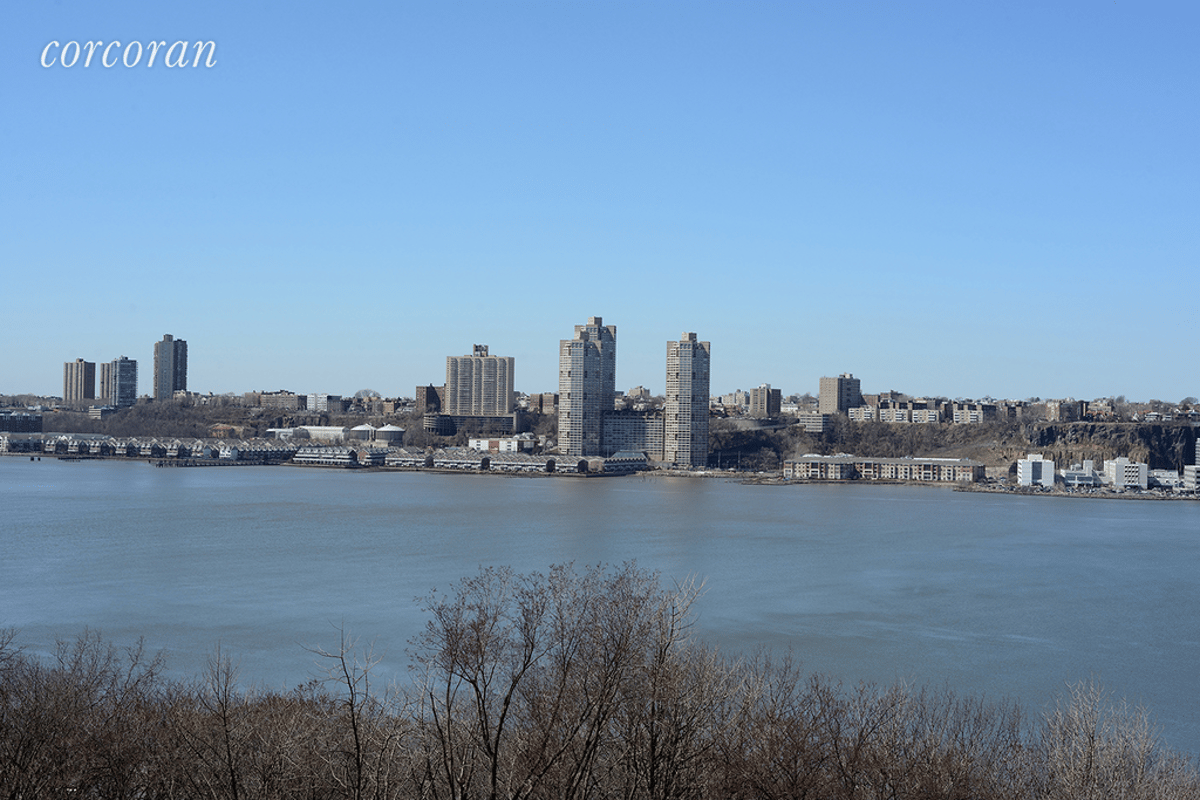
(479, 385)
(839, 395)
(79, 381)
(170, 367)
(119, 382)
(685, 435)
(587, 383)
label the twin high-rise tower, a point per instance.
(118, 382)
(587, 372)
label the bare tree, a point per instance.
(524, 676)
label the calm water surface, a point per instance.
(1005, 596)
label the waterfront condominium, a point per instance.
(587, 383)
(119, 382)
(479, 385)
(79, 381)
(685, 413)
(170, 367)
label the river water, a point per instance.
(999, 595)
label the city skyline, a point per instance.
(658, 387)
(924, 185)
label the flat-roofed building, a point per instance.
(79, 381)
(430, 399)
(282, 400)
(170, 367)
(119, 382)
(639, 431)
(325, 403)
(479, 384)
(1191, 478)
(812, 422)
(839, 395)
(848, 467)
(972, 413)
(1068, 410)
(1083, 474)
(1121, 473)
(1034, 470)
(765, 401)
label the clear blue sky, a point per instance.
(950, 198)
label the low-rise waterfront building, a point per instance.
(1034, 470)
(634, 431)
(1165, 479)
(1121, 473)
(849, 467)
(316, 455)
(1191, 478)
(1084, 474)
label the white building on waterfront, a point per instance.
(1122, 473)
(1034, 470)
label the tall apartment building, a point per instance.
(479, 385)
(685, 424)
(429, 399)
(119, 382)
(765, 401)
(587, 383)
(170, 367)
(839, 395)
(79, 381)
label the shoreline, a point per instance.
(751, 479)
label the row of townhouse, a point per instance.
(264, 450)
(844, 467)
(468, 460)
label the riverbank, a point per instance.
(1094, 492)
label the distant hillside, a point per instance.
(998, 444)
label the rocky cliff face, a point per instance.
(1160, 446)
(998, 445)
